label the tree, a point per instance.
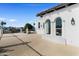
(28, 26)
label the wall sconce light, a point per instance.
(73, 21)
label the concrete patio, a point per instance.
(20, 44)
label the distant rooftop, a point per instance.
(63, 5)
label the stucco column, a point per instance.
(52, 28)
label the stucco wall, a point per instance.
(70, 33)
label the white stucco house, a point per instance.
(60, 24)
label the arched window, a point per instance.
(48, 26)
(58, 26)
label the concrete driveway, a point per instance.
(20, 44)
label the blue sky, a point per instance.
(18, 14)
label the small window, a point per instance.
(33, 23)
(38, 24)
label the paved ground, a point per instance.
(12, 45)
(21, 44)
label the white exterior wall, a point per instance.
(39, 30)
(70, 33)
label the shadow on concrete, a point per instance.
(14, 45)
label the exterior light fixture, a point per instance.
(73, 21)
